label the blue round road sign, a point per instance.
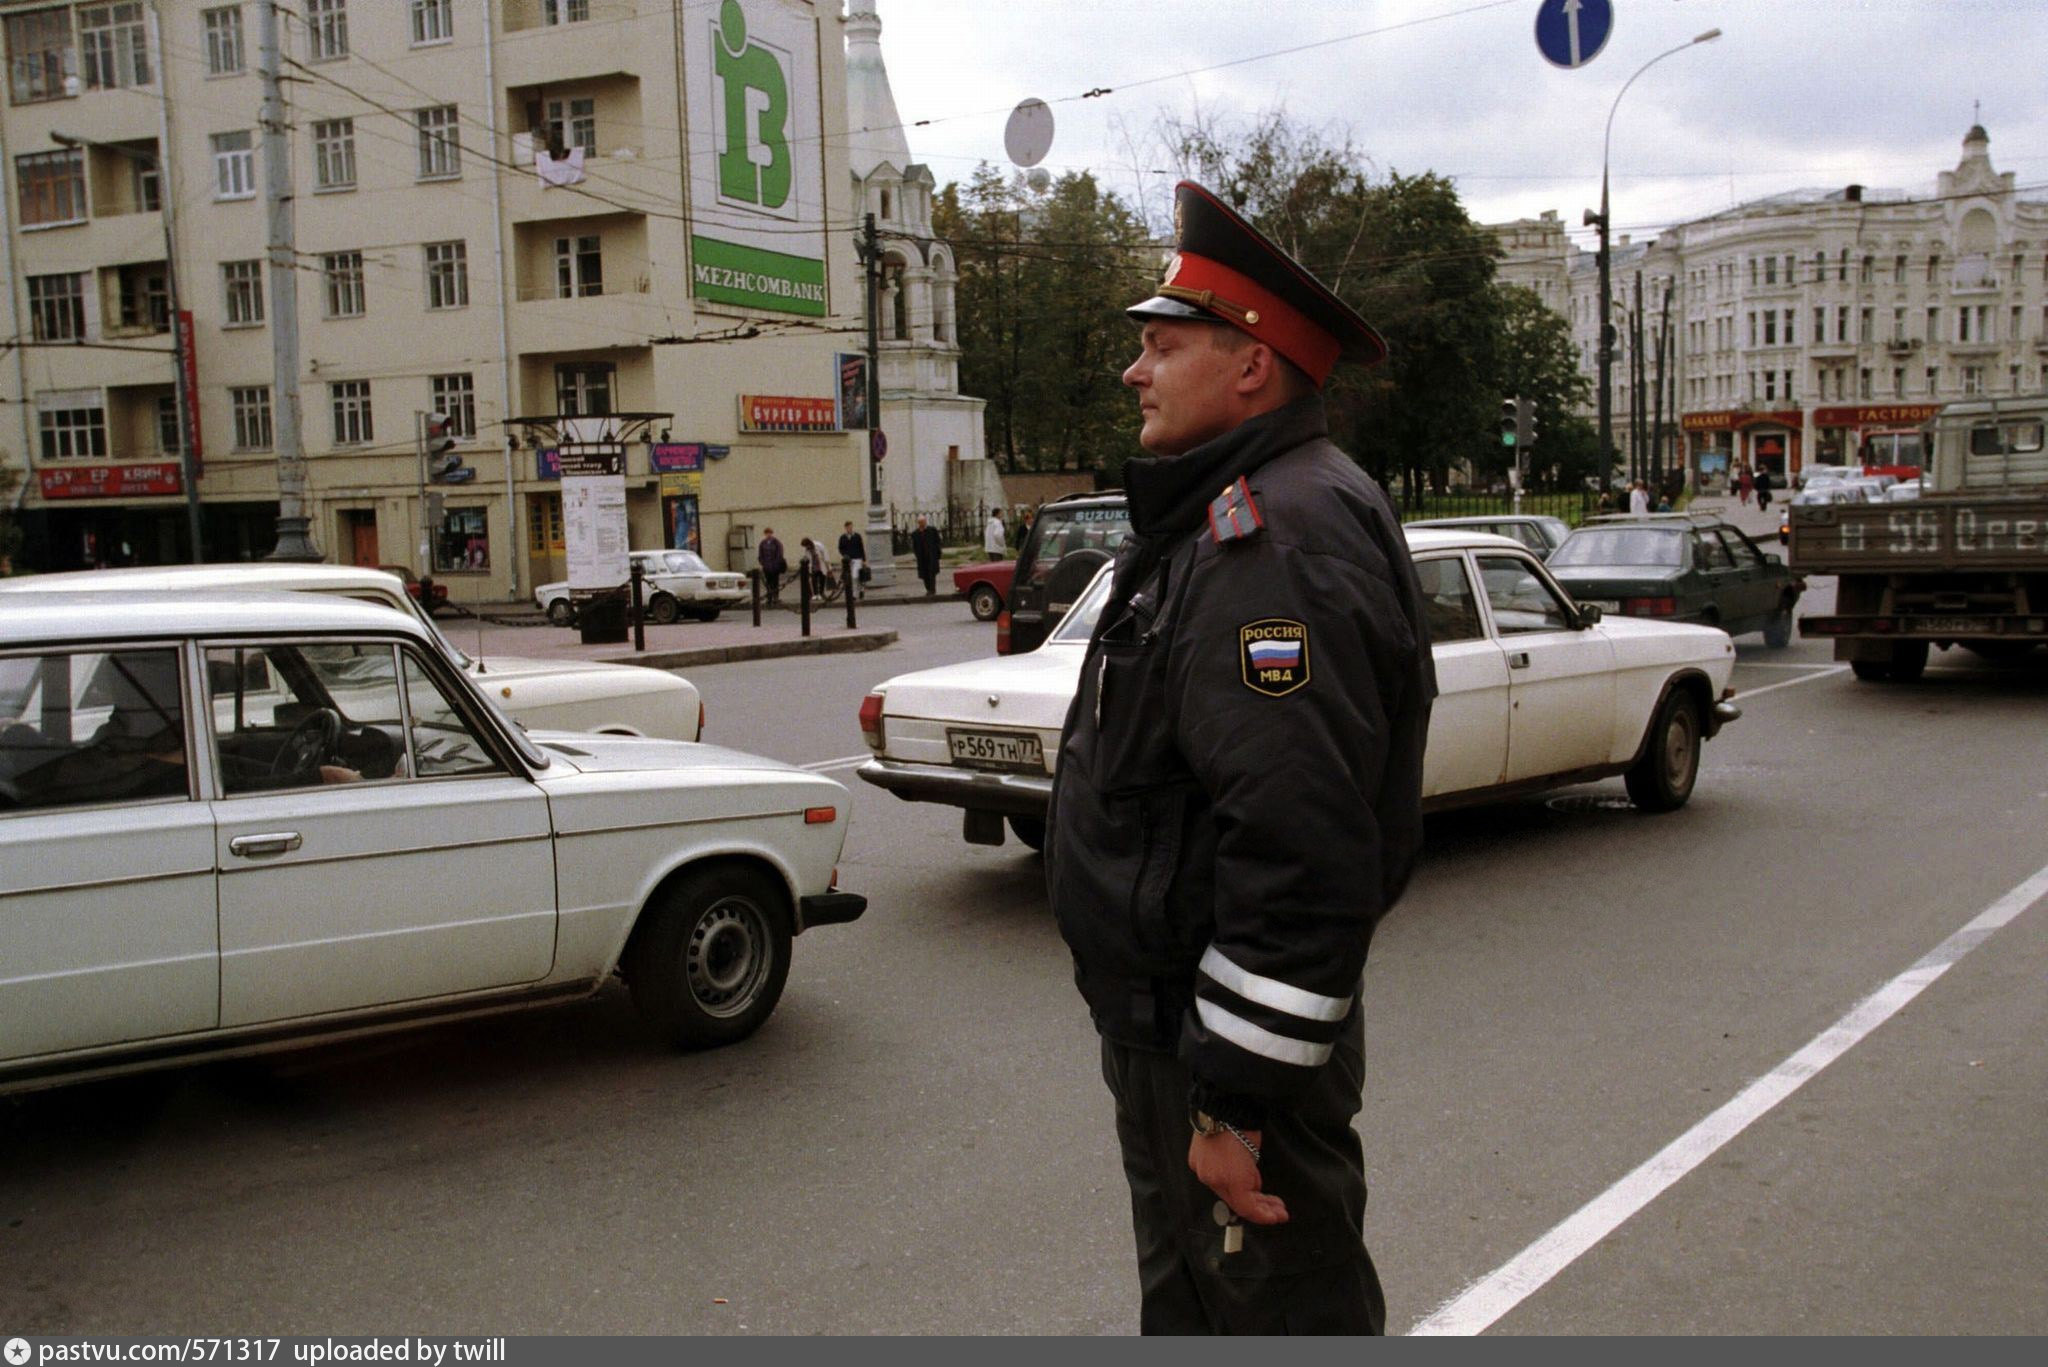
(1570, 33)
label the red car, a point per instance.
(987, 587)
(436, 594)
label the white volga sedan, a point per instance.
(1534, 692)
(233, 822)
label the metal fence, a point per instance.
(958, 524)
(1573, 505)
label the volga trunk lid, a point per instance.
(1032, 689)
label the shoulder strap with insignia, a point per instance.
(1234, 515)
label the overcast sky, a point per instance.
(1795, 93)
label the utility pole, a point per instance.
(1603, 259)
(871, 262)
(294, 539)
(1667, 365)
(1637, 458)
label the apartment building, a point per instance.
(1806, 321)
(507, 212)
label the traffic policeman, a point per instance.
(1238, 795)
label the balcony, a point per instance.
(533, 52)
(1902, 346)
(611, 180)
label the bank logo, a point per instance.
(754, 164)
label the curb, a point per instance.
(843, 644)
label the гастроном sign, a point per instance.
(757, 236)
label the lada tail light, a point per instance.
(871, 721)
(1650, 607)
(1003, 633)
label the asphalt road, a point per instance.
(919, 1141)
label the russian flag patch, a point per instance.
(1273, 653)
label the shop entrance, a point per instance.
(359, 537)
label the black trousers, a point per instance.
(1311, 1275)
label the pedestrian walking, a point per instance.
(1763, 489)
(811, 561)
(1638, 497)
(994, 539)
(1238, 795)
(768, 554)
(924, 547)
(1025, 517)
(1745, 483)
(853, 549)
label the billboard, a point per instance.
(757, 159)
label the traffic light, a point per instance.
(1525, 423)
(437, 440)
(1510, 423)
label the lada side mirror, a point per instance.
(1589, 614)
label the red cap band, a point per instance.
(1266, 316)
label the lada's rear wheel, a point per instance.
(663, 609)
(710, 965)
(561, 613)
(984, 602)
(1662, 779)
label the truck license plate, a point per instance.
(996, 749)
(1959, 625)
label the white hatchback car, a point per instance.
(561, 695)
(231, 822)
(678, 584)
(1534, 692)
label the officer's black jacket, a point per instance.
(1221, 846)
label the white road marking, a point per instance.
(1741, 663)
(1485, 1301)
(843, 762)
(1826, 672)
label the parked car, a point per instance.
(232, 822)
(1069, 540)
(1812, 496)
(1808, 475)
(986, 586)
(569, 695)
(430, 594)
(1680, 566)
(1905, 491)
(674, 584)
(1534, 692)
(1540, 534)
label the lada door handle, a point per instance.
(1518, 659)
(258, 846)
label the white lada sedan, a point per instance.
(560, 695)
(1534, 692)
(235, 821)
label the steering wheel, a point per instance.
(311, 741)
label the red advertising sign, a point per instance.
(1876, 415)
(189, 359)
(111, 481)
(1731, 419)
(780, 413)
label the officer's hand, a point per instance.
(1225, 1168)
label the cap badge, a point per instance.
(1172, 269)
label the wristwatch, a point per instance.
(1209, 1126)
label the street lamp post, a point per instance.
(1604, 220)
(188, 463)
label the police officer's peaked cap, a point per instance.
(1225, 271)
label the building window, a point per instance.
(1862, 383)
(462, 541)
(1869, 269)
(2013, 323)
(1752, 329)
(242, 282)
(1820, 325)
(224, 51)
(1863, 327)
(343, 272)
(440, 147)
(39, 55)
(1770, 265)
(2013, 378)
(334, 154)
(145, 183)
(1933, 325)
(74, 432)
(455, 395)
(252, 417)
(327, 29)
(447, 275)
(56, 307)
(579, 267)
(1898, 381)
(1899, 269)
(234, 165)
(350, 400)
(1898, 325)
(1770, 384)
(1842, 322)
(1933, 378)
(432, 21)
(583, 390)
(1973, 379)
(554, 12)
(167, 439)
(51, 186)
(1933, 267)
(112, 46)
(1789, 313)
(571, 123)
(145, 298)
(1770, 325)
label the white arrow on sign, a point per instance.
(1571, 21)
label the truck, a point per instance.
(1965, 564)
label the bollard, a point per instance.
(754, 585)
(803, 596)
(852, 588)
(639, 607)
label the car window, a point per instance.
(1521, 600)
(687, 562)
(1079, 623)
(90, 727)
(1709, 554)
(443, 742)
(297, 715)
(1622, 546)
(1061, 533)
(1744, 554)
(1449, 607)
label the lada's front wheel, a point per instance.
(710, 964)
(1662, 779)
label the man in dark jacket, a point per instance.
(1238, 795)
(853, 549)
(774, 563)
(924, 546)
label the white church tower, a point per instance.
(937, 452)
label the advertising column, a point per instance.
(595, 537)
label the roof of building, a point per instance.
(874, 130)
